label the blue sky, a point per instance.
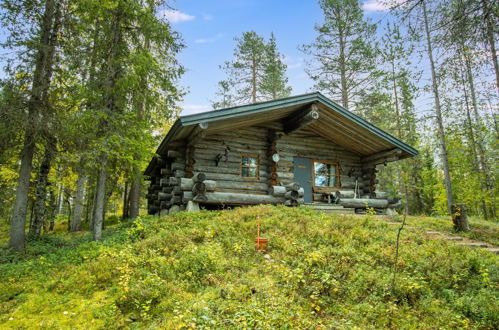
(208, 29)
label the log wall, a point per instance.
(218, 157)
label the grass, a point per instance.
(480, 230)
(201, 270)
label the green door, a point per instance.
(303, 175)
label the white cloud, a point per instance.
(176, 16)
(381, 5)
(208, 40)
(189, 109)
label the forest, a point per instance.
(90, 87)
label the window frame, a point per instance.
(337, 176)
(257, 177)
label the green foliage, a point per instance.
(257, 73)
(202, 270)
(344, 52)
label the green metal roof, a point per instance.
(254, 108)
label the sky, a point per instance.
(208, 29)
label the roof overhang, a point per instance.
(335, 123)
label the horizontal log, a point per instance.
(179, 173)
(173, 181)
(241, 199)
(295, 186)
(380, 195)
(177, 166)
(167, 189)
(165, 171)
(187, 184)
(164, 196)
(345, 194)
(222, 169)
(278, 191)
(363, 203)
(176, 200)
(173, 154)
(163, 182)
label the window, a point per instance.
(326, 174)
(249, 167)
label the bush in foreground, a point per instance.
(201, 270)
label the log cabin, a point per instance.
(299, 150)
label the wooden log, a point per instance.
(241, 199)
(187, 196)
(199, 177)
(172, 154)
(176, 200)
(351, 185)
(363, 203)
(177, 166)
(187, 184)
(292, 194)
(179, 173)
(164, 196)
(302, 119)
(460, 217)
(393, 199)
(163, 182)
(345, 194)
(173, 181)
(176, 191)
(295, 186)
(380, 195)
(278, 191)
(199, 188)
(167, 189)
(165, 171)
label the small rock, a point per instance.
(267, 256)
(11, 318)
(493, 250)
(454, 238)
(473, 244)
(65, 313)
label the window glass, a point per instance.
(249, 166)
(325, 174)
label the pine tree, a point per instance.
(344, 52)
(274, 81)
(257, 73)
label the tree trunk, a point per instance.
(40, 85)
(344, 87)
(78, 200)
(438, 113)
(41, 189)
(126, 204)
(135, 194)
(460, 217)
(491, 38)
(100, 196)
